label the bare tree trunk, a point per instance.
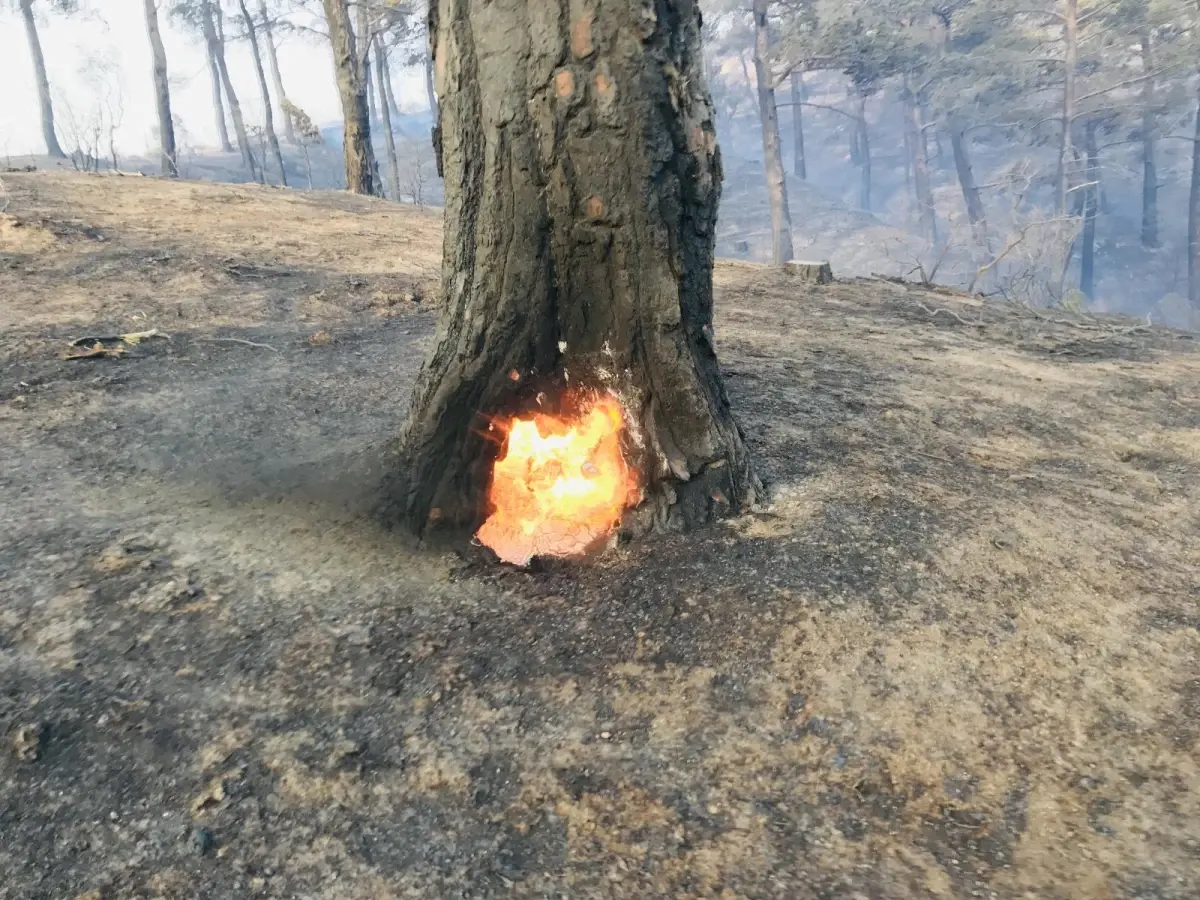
(864, 152)
(1091, 211)
(289, 133)
(976, 214)
(216, 43)
(578, 242)
(268, 116)
(781, 217)
(1070, 67)
(1149, 149)
(214, 72)
(381, 80)
(43, 81)
(914, 129)
(363, 46)
(430, 93)
(384, 53)
(356, 135)
(1194, 222)
(799, 161)
(162, 93)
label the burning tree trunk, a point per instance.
(162, 91)
(356, 134)
(582, 179)
(768, 113)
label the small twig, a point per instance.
(934, 456)
(231, 340)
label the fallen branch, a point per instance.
(133, 337)
(231, 340)
(933, 313)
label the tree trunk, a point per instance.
(1091, 211)
(976, 214)
(214, 72)
(289, 133)
(1194, 222)
(582, 179)
(430, 92)
(162, 93)
(268, 116)
(386, 69)
(1149, 150)
(363, 46)
(914, 128)
(864, 156)
(781, 216)
(209, 18)
(381, 79)
(43, 81)
(1070, 65)
(356, 135)
(799, 162)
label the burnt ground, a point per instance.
(956, 656)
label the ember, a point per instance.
(560, 485)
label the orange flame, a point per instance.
(561, 485)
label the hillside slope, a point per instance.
(956, 656)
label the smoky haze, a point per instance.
(1038, 152)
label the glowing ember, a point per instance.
(561, 484)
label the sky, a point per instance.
(105, 51)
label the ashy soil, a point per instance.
(957, 655)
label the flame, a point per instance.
(561, 484)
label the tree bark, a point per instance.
(864, 154)
(381, 79)
(363, 46)
(1070, 66)
(268, 116)
(386, 67)
(799, 161)
(53, 148)
(582, 179)
(914, 128)
(356, 133)
(976, 213)
(1091, 211)
(781, 216)
(214, 72)
(1194, 222)
(162, 92)
(215, 40)
(430, 92)
(289, 133)
(1149, 149)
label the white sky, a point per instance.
(112, 36)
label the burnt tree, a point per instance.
(352, 91)
(582, 179)
(162, 92)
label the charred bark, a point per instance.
(46, 107)
(768, 113)
(268, 116)
(215, 39)
(162, 92)
(582, 182)
(289, 133)
(356, 131)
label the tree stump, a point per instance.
(810, 272)
(582, 179)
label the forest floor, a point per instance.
(957, 655)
